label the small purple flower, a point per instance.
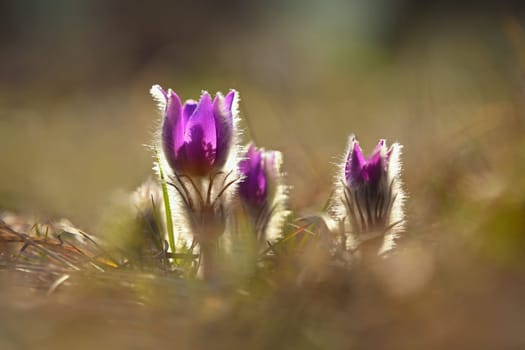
(369, 199)
(196, 136)
(366, 171)
(263, 192)
(254, 187)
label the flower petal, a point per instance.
(189, 108)
(354, 162)
(171, 139)
(245, 164)
(253, 188)
(224, 123)
(228, 101)
(380, 147)
(373, 169)
(160, 96)
(200, 138)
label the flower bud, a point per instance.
(196, 136)
(262, 191)
(369, 196)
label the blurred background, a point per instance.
(75, 112)
(444, 78)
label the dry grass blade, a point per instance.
(58, 282)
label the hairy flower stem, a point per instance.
(203, 202)
(209, 262)
(208, 224)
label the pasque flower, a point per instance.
(254, 187)
(361, 171)
(199, 144)
(369, 196)
(196, 136)
(262, 191)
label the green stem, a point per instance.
(167, 207)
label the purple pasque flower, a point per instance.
(369, 200)
(199, 143)
(253, 189)
(263, 192)
(196, 136)
(366, 171)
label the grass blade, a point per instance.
(167, 206)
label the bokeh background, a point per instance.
(75, 112)
(444, 78)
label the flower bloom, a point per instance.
(262, 190)
(196, 136)
(371, 191)
(363, 171)
(199, 144)
(254, 188)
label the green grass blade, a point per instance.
(167, 206)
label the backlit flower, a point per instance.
(196, 136)
(253, 189)
(369, 196)
(199, 144)
(263, 192)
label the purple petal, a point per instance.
(246, 164)
(261, 191)
(373, 169)
(253, 188)
(354, 163)
(256, 160)
(171, 139)
(228, 101)
(380, 145)
(187, 111)
(224, 124)
(255, 156)
(189, 108)
(180, 124)
(200, 138)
